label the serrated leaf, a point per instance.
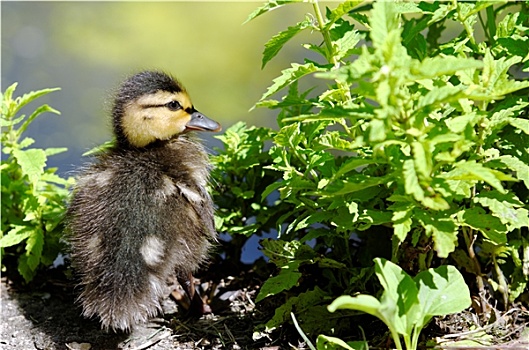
(276, 43)
(16, 235)
(411, 181)
(286, 279)
(32, 162)
(354, 184)
(34, 245)
(290, 75)
(31, 96)
(490, 226)
(384, 19)
(341, 10)
(505, 206)
(40, 110)
(269, 6)
(474, 170)
(347, 43)
(441, 227)
(516, 165)
(522, 124)
(437, 66)
(440, 95)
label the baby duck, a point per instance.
(141, 211)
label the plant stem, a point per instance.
(469, 240)
(344, 88)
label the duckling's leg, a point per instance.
(197, 305)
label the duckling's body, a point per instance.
(141, 212)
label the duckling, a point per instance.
(141, 211)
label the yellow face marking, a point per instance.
(149, 118)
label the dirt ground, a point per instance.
(45, 316)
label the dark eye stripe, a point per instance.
(173, 105)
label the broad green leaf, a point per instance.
(276, 43)
(32, 162)
(347, 43)
(290, 75)
(400, 291)
(17, 234)
(324, 342)
(515, 164)
(361, 302)
(442, 291)
(269, 6)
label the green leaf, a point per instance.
(31, 96)
(361, 302)
(17, 234)
(401, 291)
(411, 181)
(269, 6)
(505, 206)
(290, 75)
(442, 291)
(437, 66)
(341, 10)
(490, 226)
(516, 165)
(40, 110)
(276, 43)
(324, 342)
(522, 124)
(32, 162)
(286, 279)
(384, 19)
(471, 170)
(34, 246)
(441, 227)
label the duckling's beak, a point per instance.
(202, 123)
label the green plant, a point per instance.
(411, 144)
(33, 196)
(407, 305)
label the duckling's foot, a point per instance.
(197, 307)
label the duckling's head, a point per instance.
(152, 106)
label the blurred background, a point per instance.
(88, 48)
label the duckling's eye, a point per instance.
(173, 105)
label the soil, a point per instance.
(45, 316)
